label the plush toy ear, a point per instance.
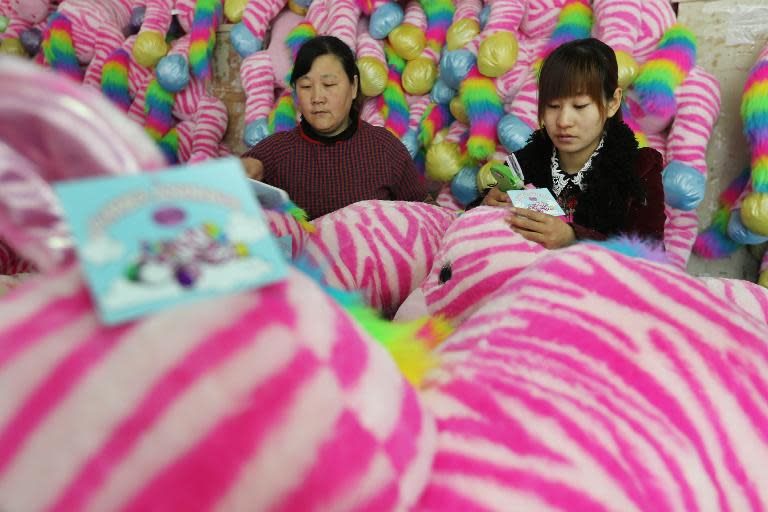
(54, 130)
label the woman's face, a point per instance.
(325, 95)
(575, 125)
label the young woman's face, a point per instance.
(575, 125)
(325, 95)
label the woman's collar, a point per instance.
(313, 136)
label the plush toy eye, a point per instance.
(445, 273)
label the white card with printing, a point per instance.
(536, 199)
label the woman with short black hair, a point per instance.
(333, 158)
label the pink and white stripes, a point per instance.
(657, 16)
(258, 81)
(261, 411)
(317, 16)
(698, 107)
(478, 254)
(594, 381)
(367, 46)
(414, 15)
(467, 10)
(679, 235)
(382, 248)
(258, 15)
(343, 16)
(617, 23)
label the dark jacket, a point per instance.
(623, 189)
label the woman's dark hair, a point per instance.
(584, 66)
(327, 45)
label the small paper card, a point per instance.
(153, 240)
(270, 197)
(536, 199)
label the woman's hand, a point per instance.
(254, 169)
(496, 197)
(551, 232)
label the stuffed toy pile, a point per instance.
(455, 80)
(597, 377)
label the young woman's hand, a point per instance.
(496, 197)
(254, 169)
(551, 232)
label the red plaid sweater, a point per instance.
(322, 177)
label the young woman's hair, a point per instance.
(327, 45)
(583, 66)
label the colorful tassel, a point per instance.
(283, 115)
(665, 69)
(410, 344)
(714, 242)
(575, 22)
(299, 35)
(169, 145)
(297, 213)
(631, 121)
(114, 78)
(635, 247)
(393, 105)
(436, 117)
(158, 110)
(484, 110)
(754, 114)
(439, 18)
(58, 48)
(203, 36)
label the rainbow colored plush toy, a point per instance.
(662, 73)
(754, 113)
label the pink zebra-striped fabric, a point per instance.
(267, 400)
(446, 199)
(467, 10)
(343, 16)
(317, 16)
(617, 23)
(413, 14)
(657, 16)
(283, 224)
(540, 18)
(258, 81)
(698, 107)
(504, 16)
(382, 248)
(680, 230)
(478, 254)
(258, 15)
(593, 381)
(157, 17)
(88, 18)
(749, 296)
(367, 46)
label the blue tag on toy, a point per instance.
(149, 241)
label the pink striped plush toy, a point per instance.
(84, 32)
(598, 381)
(478, 254)
(212, 406)
(384, 249)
